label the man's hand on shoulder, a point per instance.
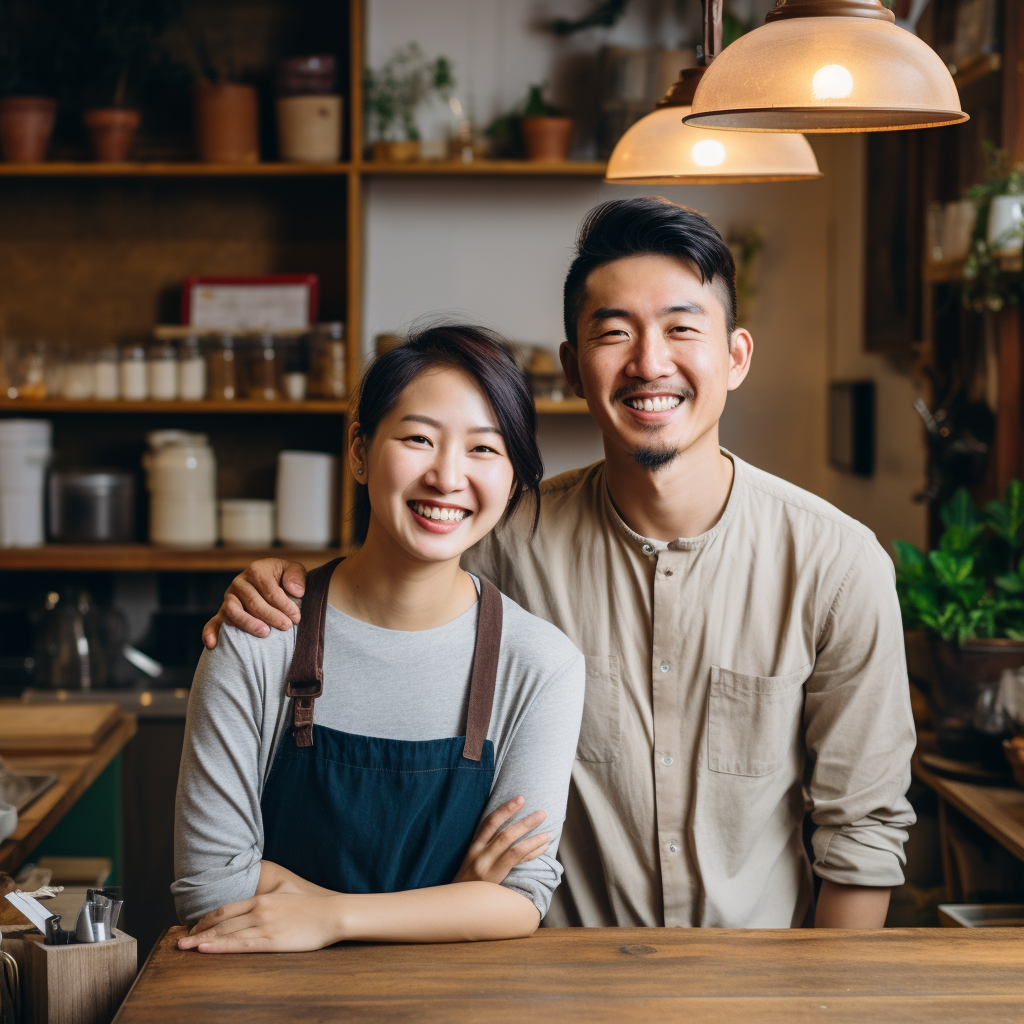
(259, 597)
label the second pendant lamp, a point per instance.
(660, 150)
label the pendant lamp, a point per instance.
(826, 66)
(660, 150)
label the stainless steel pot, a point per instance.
(92, 506)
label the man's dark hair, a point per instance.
(649, 226)
(480, 354)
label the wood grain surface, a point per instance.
(68, 728)
(75, 774)
(598, 975)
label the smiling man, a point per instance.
(744, 652)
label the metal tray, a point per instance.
(21, 790)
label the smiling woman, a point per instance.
(379, 772)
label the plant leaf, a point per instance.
(959, 510)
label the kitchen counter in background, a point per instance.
(601, 975)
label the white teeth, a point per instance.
(443, 515)
(435, 513)
(648, 405)
(659, 404)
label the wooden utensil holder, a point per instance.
(84, 983)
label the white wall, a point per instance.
(496, 250)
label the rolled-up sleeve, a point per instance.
(860, 731)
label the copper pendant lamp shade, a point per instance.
(660, 150)
(826, 66)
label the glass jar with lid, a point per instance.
(134, 381)
(191, 370)
(162, 372)
(263, 380)
(327, 361)
(223, 369)
(107, 371)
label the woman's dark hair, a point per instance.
(649, 226)
(479, 353)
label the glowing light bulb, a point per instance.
(708, 153)
(832, 82)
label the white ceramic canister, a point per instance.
(306, 498)
(191, 371)
(108, 373)
(309, 129)
(25, 449)
(247, 522)
(134, 383)
(181, 476)
(1006, 224)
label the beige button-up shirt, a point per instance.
(729, 678)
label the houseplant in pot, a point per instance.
(391, 95)
(32, 59)
(968, 596)
(546, 133)
(118, 47)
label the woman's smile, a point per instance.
(437, 517)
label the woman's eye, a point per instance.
(485, 448)
(418, 439)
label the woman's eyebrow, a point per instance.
(415, 418)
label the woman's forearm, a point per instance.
(460, 912)
(851, 906)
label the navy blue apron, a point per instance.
(360, 814)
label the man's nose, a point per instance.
(650, 358)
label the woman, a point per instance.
(334, 775)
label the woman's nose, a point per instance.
(447, 474)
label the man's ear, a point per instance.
(741, 351)
(571, 368)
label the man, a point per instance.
(742, 637)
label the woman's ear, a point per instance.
(357, 453)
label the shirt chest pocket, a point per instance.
(753, 720)
(599, 730)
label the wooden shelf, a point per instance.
(150, 558)
(564, 406)
(159, 169)
(531, 168)
(944, 271)
(974, 71)
(241, 405)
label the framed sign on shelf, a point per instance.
(265, 302)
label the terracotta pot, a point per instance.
(396, 152)
(26, 124)
(227, 123)
(547, 138)
(111, 132)
(962, 673)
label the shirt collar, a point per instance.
(648, 546)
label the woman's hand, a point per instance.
(276, 922)
(491, 855)
(257, 596)
(274, 878)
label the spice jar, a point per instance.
(162, 367)
(327, 358)
(191, 371)
(223, 369)
(264, 377)
(78, 381)
(134, 386)
(107, 373)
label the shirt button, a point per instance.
(664, 666)
(648, 549)
(672, 848)
(668, 572)
(666, 759)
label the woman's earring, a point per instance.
(359, 470)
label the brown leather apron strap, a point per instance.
(306, 675)
(485, 670)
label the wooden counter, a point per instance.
(598, 975)
(75, 774)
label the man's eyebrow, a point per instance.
(607, 312)
(686, 307)
(610, 312)
(415, 418)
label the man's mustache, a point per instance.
(634, 389)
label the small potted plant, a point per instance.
(968, 596)
(392, 94)
(546, 133)
(118, 43)
(31, 61)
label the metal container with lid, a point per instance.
(92, 506)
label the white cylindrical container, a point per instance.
(306, 499)
(79, 380)
(133, 374)
(247, 522)
(191, 371)
(295, 385)
(108, 372)
(1006, 224)
(309, 128)
(162, 373)
(24, 456)
(181, 476)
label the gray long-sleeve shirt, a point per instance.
(377, 682)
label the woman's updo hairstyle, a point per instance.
(479, 353)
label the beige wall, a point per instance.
(496, 250)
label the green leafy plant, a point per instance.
(392, 93)
(536, 105)
(972, 586)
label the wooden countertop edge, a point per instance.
(15, 849)
(139, 974)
